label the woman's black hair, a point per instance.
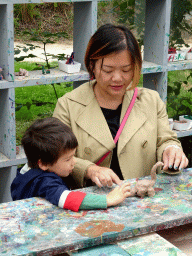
(109, 39)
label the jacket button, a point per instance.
(144, 144)
(87, 151)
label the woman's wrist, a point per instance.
(92, 169)
(174, 146)
(88, 171)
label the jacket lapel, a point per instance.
(92, 121)
(135, 120)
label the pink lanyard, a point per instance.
(122, 124)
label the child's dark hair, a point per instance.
(110, 39)
(46, 139)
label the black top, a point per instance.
(113, 120)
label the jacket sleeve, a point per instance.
(165, 135)
(62, 113)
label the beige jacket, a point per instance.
(141, 143)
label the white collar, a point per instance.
(25, 169)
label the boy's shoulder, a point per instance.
(32, 173)
(23, 171)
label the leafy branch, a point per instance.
(44, 38)
(25, 49)
(178, 104)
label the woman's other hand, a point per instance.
(118, 195)
(102, 176)
(174, 157)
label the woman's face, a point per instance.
(114, 75)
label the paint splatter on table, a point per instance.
(35, 227)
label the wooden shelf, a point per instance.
(37, 78)
(20, 159)
(150, 67)
(4, 161)
(179, 65)
(4, 84)
(56, 76)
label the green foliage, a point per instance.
(25, 49)
(179, 102)
(24, 114)
(131, 13)
(45, 38)
(16, 24)
(26, 12)
(125, 10)
(179, 23)
(179, 99)
(29, 65)
(61, 6)
(51, 17)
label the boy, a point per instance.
(50, 147)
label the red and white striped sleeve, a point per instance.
(71, 200)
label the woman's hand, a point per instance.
(174, 158)
(118, 195)
(102, 176)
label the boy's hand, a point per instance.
(118, 195)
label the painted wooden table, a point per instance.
(35, 227)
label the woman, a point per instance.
(95, 110)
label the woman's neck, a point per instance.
(105, 100)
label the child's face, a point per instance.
(64, 165)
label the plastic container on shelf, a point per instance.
(178, 55)
(171, 123)
(69, 68)
(188, 56)
(187, 118)
(181, 125)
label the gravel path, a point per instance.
(57, 48)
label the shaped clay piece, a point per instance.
(145, 187)
(22, 73)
